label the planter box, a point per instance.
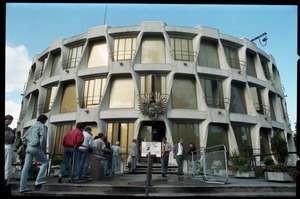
(244, 174)
(278, 176)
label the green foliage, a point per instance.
(277, 168)
(239, 163)
(57, 160)
(268, 161)
(279, 148)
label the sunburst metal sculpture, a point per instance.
(153, 104)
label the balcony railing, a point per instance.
(70, 63)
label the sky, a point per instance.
(32, 27)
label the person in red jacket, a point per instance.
(71, 142)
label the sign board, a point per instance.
(153, 147)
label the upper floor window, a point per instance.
(122, 93)
(232, 56)
(266, 69)
(272, 99)
(98, 55)
(184, 93)
(74, 57)
(93, 92)
(69, 99)
(257, 100)
(153, 83)
(55, 69)
(208, 55)
(250, 65)
(237, 99)
(124, 48)
(50, 96)
(213, 92)
(38, 73)
(182, 49)
(153, 50)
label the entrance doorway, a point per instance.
(151, 131)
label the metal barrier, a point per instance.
(210, 164)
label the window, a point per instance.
(264, 141)
(153, 50)
(68, 101)
(34, 103)
(153, 83)
(55, 69)
(232, 56)
(122, 93)
(93, 92)
(257, 100)
(213, 92)
(250, 67)
(272, 110)
(38, 73)
(122, 132)
(98, 55)
(242, 136)
(124, 48)
(50, 96)
(182, 49)
(237, 99)
(217, 134)
(266, 69)
(183, 94)
(189, 132)
(74, 57)
(208, 55)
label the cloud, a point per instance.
(17, 65)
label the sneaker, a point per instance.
(40, 183)
(59, 179)
(25, 190)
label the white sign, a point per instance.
(153, 147)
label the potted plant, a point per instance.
(279, 171)
(240, 165)
(56, 161)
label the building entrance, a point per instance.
(151, 131)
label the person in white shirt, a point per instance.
(85, 153)
(179, 151)
(116, 159)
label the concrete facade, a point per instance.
(138, 65)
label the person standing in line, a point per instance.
(116, 150)
(9, 138)
(71, 142)
(84, 153)
(192, 155)
(99, 144)
(108, 157)
(9, 147)
(133, 155)
(179, 151)
(166, 149)
(35, 138)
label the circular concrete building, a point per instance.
(154, 80)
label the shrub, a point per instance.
(280, 167)
(268, 161)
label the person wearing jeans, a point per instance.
(35, 139)
(166, 149)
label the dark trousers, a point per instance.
(179, 160)
(164, 164)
